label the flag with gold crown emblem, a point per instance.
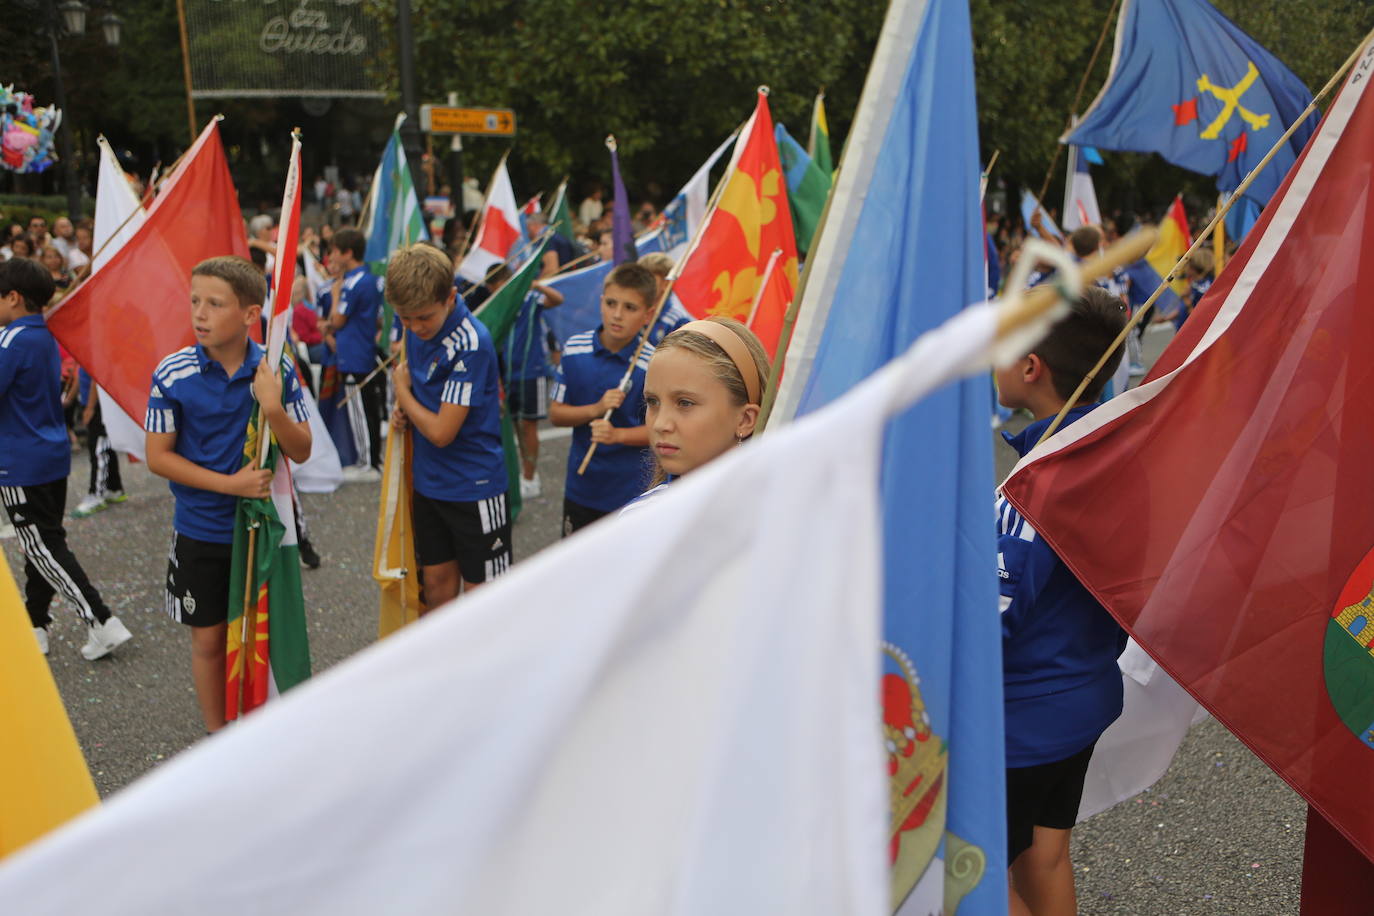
(725, 267)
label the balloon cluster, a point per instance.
(26, 132)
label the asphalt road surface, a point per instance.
(1220, 834)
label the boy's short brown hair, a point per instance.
(1085, 240)
(243, 276)
(637, 279)
(418, 277)
(1074, 345)
(350, 240)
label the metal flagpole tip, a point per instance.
(763, 90)
(610, 142)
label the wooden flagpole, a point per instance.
(663, 301)
(1204, 235)
(1077, 98)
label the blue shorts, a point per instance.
(527, 399)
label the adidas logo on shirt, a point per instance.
(459, 367)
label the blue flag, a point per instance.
(581, 289)
(397, 218)
(906, 206)
(1144, 281)
(1188, 84)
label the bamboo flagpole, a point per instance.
(663, 300)
(282, 279)
(1205, 234)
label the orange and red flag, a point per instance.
(725, 267)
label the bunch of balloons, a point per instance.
(26, 132)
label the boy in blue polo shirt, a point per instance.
(1059, 646)
(447, 390)
(587, 384)
(36, 457)
(198, 411)
(354, 320)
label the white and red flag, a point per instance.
(1224, 510)
(497, 233)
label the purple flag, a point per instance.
(622, 233)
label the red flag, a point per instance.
(775, 294)
(723, 270)
(1224, 510)
(284, 271)
(122, 320)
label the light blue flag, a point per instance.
(397, 218)
(901, 252)
(1028, 207)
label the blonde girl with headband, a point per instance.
(702, 395)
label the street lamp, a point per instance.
(72, 15)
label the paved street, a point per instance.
(1219, 835)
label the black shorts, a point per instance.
(476, 534)
(526, 398)
(577, 516)
(1044, 795)
(198, 581)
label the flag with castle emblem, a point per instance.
(1188, 84)
(902, 250)
(1247, 451)
(751, 219)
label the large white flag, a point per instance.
(695, 731)
(118, 215)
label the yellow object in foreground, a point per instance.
(44, 781)
(393, 557)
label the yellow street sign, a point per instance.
(444, 119)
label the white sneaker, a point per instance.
(90, 504)
(530, 487)
(361, 473)
(105, 637)
(42, 634)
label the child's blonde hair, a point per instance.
(720, 364)
(418, 277)
(1202, 261)
(658, 263)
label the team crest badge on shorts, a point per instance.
(189, 602)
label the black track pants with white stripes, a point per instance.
(49, 565)
(104, 461)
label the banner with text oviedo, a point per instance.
(281, 47)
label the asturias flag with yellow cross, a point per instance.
(725, 267)
(1188, 84)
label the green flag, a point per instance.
(560, 220)
(498, 314)
(807, 188)
(819, 145)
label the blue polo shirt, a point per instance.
(673, 317)
(360, 300)
(617, 473)
(34, 448)
(1061, 683)
(194, 398)
(458, 366)
(527, 350)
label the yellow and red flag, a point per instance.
(1174, 240)
(724, 269)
